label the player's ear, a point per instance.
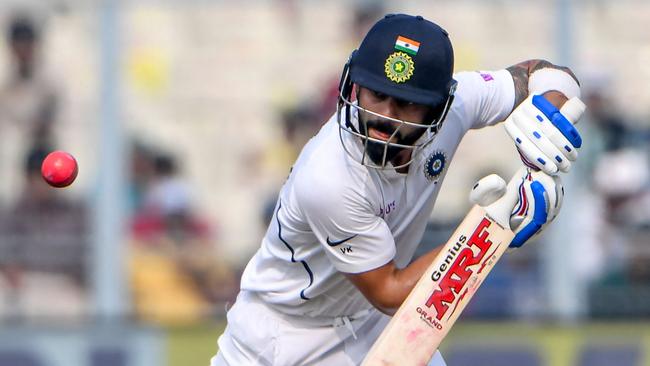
(356, 90)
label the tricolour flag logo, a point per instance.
(407, 45)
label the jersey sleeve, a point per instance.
(487, 96)
(343, 220)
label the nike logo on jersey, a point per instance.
(338, 242)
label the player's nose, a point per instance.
(389, 108)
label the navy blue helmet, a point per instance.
(405, 57)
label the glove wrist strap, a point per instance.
(547, 79)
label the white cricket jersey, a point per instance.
(335, 215)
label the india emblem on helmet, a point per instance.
(399, 67)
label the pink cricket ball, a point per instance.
(59, 169)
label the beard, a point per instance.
(375, 150)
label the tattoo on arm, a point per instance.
(521, 72)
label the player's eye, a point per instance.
(404, 103)
(378, 95)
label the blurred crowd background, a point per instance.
(186, 116)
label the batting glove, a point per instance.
(545, 136)
(527, 204)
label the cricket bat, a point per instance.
(431, 309)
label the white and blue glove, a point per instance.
(540, 200)
(526, 205)
(545, 136)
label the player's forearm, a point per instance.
(393, 285)
(407, 277)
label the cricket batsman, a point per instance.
(336, 260)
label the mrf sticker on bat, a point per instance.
(463, 261)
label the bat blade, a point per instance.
(431, 309)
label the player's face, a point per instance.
(383, 129)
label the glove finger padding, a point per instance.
(554, 192)
(545, 138)
(539, 134)
(530, 154)
(540, 199)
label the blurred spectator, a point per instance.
(607, 120)
(623, 178)
(303, 120)
(166, 204)
(619, 167)
(43, 249)
(141, 174)
(365, 14)
(176, 273)
(28, 99)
